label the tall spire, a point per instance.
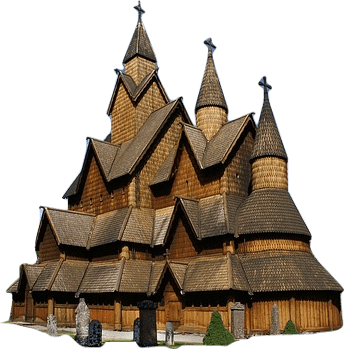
(210, 93)
(140, 44)
(268, 141)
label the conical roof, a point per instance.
(140, 44)
(268, 141)
(211, 93)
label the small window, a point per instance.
(91, 202)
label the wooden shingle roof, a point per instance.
(269, 210)
(140, 45)
(268, 141)
(286, 271)
(210, 93)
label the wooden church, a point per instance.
(194, 218)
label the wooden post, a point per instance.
(229, 304)
(118, 315)
(50, 305)
(292, 310)
(330, 314)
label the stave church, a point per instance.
(194, 218)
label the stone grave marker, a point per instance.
(52, 325)
(95, 334)
(275, 321)
(137, 330)
(169, 334)
(82, 322)
(148, 332)
(238, 323)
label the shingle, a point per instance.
(193, 214)
(269, 211)
(268, 141)
(32, 273)
(156, 274)
(179, 270)
(207, 274)
(139, 227)
(197, 141)
(69, 276)
(108, 226)
(286, 271)
(210, 93)
(140, 45)
(162, 222)
(72, 228)
(222, 143)
(240, 282)
(45, 276)
(14, 287)
(136, 276)
(233, 202)
(101, 277)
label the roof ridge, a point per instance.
(67, 211)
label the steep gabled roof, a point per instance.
(135, 91)
(117, 161)
(206, 153)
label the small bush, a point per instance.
(216, 332)
(290, 328)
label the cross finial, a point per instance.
(210, 45)
(264, 84)
(140, 10)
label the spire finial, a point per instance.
(210, 45)
(264, 85)
(140, 10)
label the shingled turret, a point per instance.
(211, 107)
(139, 59)
(269, 158)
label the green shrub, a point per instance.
(290, 328)
(216, 332)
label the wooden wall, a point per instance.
(138, 67)
(48, 248)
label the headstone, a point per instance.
(275, 321)
(148, 333)
(82, 322)
(169, 335)
(238, 323)
(52, 325)
(137, 330)
(95, 334)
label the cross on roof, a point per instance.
(139, 10)
(210, 45)
(264, 84)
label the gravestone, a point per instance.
(238, 323)
(137, 330)
(275, 321)
(148, 333)
(82, 322)
(94, 334)
(169, 335)
(52, 325)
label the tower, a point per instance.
(269, 158)
(139, 59)
(211, 107)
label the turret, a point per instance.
(139, 59)
(211, 107)
(269, 158)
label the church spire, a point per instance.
(268, 141)
(139, 61)
(211, 107)
(268, 158)
(140, 44)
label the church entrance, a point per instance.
(173, 305)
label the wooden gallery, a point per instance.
(195, 218)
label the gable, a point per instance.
(183, 242)
(48, 248)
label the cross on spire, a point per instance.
(264, 84)
(140, 10)
(210, 45)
